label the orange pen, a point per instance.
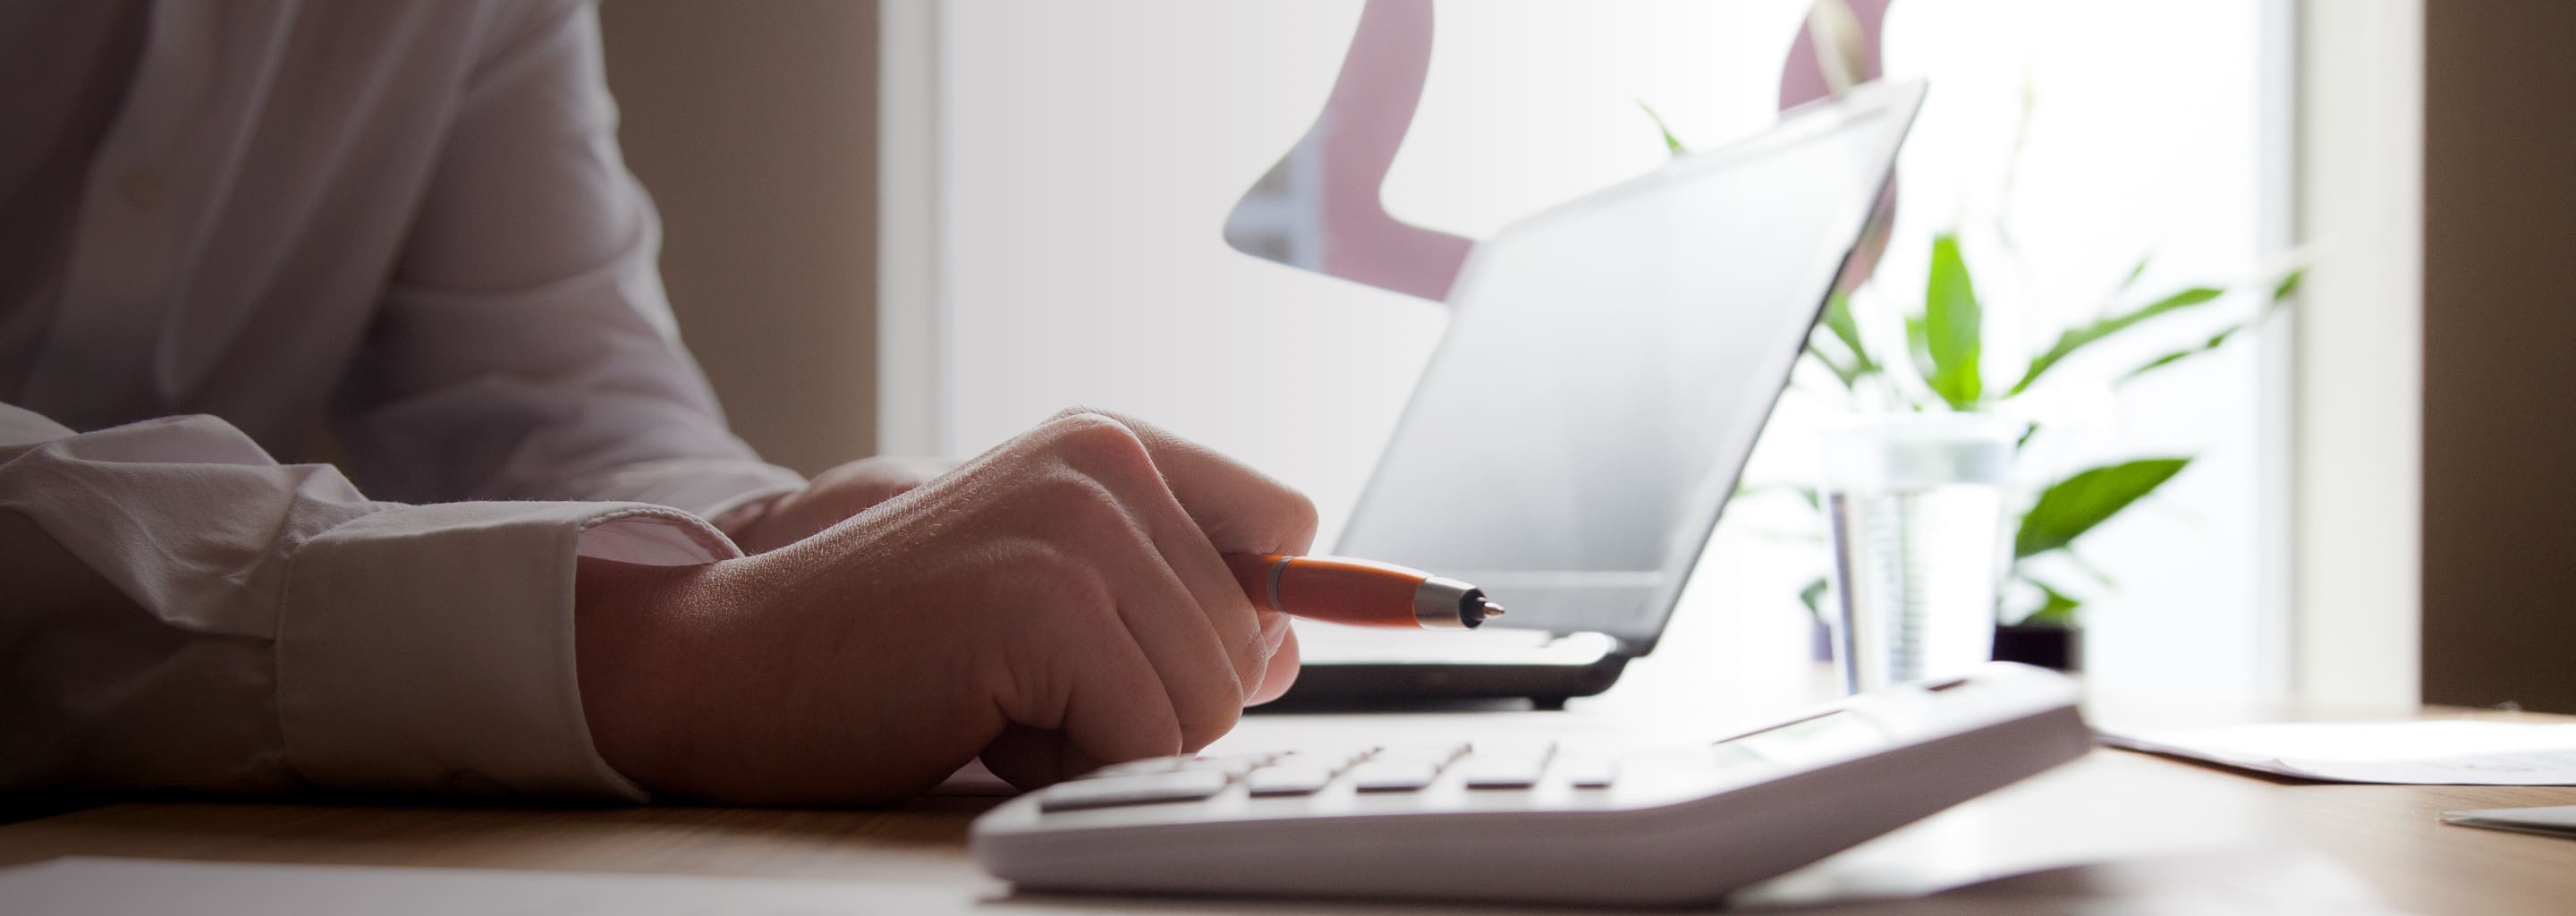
(1360, 592)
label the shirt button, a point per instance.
(142, 189)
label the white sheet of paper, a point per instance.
(2465, 753)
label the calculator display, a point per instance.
(1830, 735)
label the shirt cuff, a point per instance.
(430, 648)
(705, 487)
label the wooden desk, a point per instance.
(2110, 805)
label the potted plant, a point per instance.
(1945, 365)
(1945, 368)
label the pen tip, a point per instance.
(1493, 610)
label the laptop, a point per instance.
(1584, 420)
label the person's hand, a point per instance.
(1058, 603)
(831, 496)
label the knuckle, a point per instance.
(1102, 446)
(1086, 512)
(1076, 421)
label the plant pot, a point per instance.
(2047, 645)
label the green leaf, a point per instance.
(1806, 495)
(1814, 596)
(1847, 375)
(2071, 507)
(1918, 345)
(1953, 326)
(2134, 273)
(2289, 285)
(2214, 342)
(2057, 609)
(2076, 338)
(1838, 319)
(2281, 293)
(2090, 571)
(1672, 143)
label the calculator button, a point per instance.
(1392, 776)
(1117, 791)
(1288, 780)
(1536, 750)
(1137, 767)
(1230, 765)
(1327, 761)
(1436, 756)
(1502, 772)
(1589, 774)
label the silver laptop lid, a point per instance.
(1610, 364)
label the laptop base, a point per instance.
(1365, 686)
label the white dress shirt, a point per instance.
(264, 224)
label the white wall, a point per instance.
(1090, 154)
(2358, 566)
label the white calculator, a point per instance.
(1547, 823)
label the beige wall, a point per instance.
(2500, 354)
(754, 126)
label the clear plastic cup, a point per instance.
(1916, 506)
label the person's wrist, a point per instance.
(629, 621)
(741, 523)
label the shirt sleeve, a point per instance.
(184, 612)
(525, 349)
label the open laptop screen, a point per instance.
(1609, 366)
